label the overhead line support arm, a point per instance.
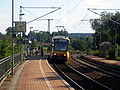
(104, 16)
(43, 16)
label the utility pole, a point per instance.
(21, 14)
(49, 25)
(30, 39)
(20, 18)
(12, 37)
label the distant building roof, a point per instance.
(106, 43)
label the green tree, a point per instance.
(34, 44)
(5, 47)
(107, 27)
(78, 44)
(9, 30)
(64, 33)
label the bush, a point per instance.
(107, 56)
(96, 52)
(118, 58)
(71, 49)
(119, 51)
(111, 52)
(90, 52)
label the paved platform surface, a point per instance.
(37, 75)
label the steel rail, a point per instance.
(89, 78)
(106, 69)
(68, 78)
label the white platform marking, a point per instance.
(46, 80)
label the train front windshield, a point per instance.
(60, 45)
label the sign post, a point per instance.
(20, 26)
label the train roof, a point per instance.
(61, 37)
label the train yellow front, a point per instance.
(60, 49)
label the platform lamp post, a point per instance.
(30, 39)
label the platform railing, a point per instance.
(6, 65)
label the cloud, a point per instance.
(71, 19)
(70, 16)
(4, 22)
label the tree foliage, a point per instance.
(6, 47)
(45, 37)
(109, 30)
(6, 44)
(38, 39)
(64, 33)
(78, 44)
(9, 30)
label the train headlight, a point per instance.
(64, 54)
(54, 53)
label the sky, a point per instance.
(69, 16)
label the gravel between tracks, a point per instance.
(108, 80)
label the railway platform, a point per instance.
(111, 63)
(37, 74)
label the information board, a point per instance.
(20, 26)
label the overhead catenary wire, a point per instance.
(43, 15)
(33, 15)
(74, 28)
(65, 3)
(75, 6)
(41, 7)
(30, 12)
(103, 9)
(104, 16)
(37, 18)
(72, 8)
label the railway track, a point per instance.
(100, 67)
(101, 74)
(77, 79)
(103, 68)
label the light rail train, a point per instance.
(60, 49)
